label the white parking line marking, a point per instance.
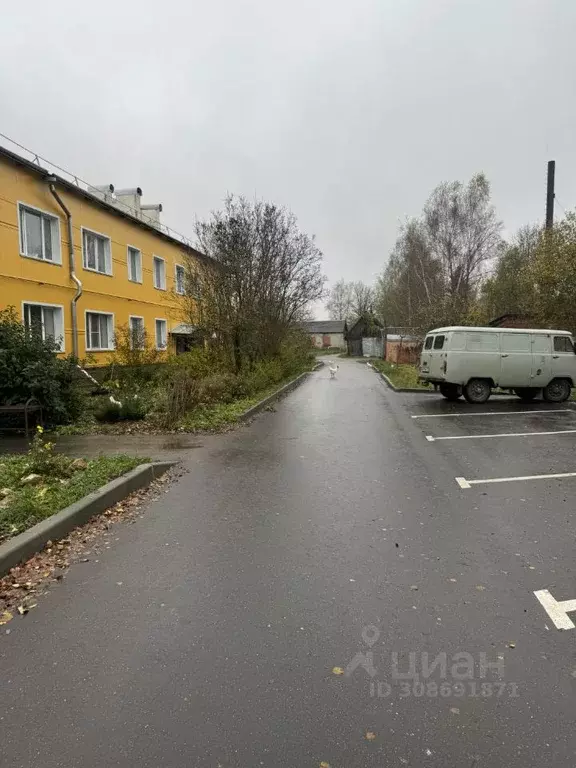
(557, 610)
(433, 439)
(464, 483)
(490, 413)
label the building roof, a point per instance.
(162, 230)
(323, 326)
(184, 329)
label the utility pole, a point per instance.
(550, 194)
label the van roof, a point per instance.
(496, 330)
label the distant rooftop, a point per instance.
(324, 326)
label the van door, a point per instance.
(516, 353)
(563, 358)
(438, 356)
(541, 359)
(426, 356)
(482, 358)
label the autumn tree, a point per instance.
(350, 300)
(440, 258)
(263, 274)
(510, 288)
(339, 303)
(552, 275)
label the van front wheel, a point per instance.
(477, 390)
(451, 391)
(557, 391)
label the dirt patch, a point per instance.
(24, 585)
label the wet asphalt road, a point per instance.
(207, 634)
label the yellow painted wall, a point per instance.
(29, 280)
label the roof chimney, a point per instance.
(129, 200)
(151, 212)
(103, 192)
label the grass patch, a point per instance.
(220, 415)
(27, 505)
(400, 375)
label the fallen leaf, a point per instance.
(337, 671)
(453, 581)
(5, 617)
(455, 710)
(23, 610)
(511, 645)
(414, 588)
(370, 735)
(324, 764)
(480, 588)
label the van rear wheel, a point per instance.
(477, 391)
(527, 393)
(557, 391)
(451, 391)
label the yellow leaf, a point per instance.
(337, 671)
(370, 735)
(324, 765)
(5, 617)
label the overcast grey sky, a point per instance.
(347, 112)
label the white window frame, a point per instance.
(161, 320)
(55, 234)
(60, 339)
(131, 278)
(108, 254)
(135, 317)
(154, 260)
(111, 326)
(183, 268)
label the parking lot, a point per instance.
(514, 465)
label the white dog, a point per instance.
(333, 369)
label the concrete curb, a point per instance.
(415, 391)
(34, 539)
(253, 410)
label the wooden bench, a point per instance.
(30, 406)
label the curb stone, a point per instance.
(254, 409)
(415, 391)
(29, 542)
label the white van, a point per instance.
(471, 361)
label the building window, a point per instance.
(137, 332)
(97, 252)
(45, 320)
(161, 334)
(134, 265)
(99, 331)
(159, 267)
(39, 234)
(180, 279)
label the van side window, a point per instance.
(476, 341)
(457, 341)
(428, 343)
(540, 344)
(515, 342)
(438, 342)
(563, 344)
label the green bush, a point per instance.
(131, 409)
(218, 388)
(29, 367)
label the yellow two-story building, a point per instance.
(79, 262)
